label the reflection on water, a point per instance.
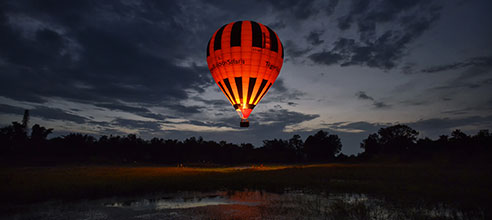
(177, 203)
(246, 205)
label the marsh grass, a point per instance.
(463, 187)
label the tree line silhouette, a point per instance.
(401, 142)
(398, 142)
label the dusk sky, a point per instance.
(350, 68)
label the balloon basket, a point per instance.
(244, 123)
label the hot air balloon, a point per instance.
(245, 58)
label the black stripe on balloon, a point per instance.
(251, 86)
(262, 85)
(256, 31)
(208, 47)
(282, 45)
(250, 106)
(218, 39)
(236, 34)
(239, 86)
(273, 40)
(266, 90)
(227, 95)
(228, 85)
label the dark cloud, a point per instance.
(100, 124)
(454, 86)
(281, 93)
(314, 38)
(292, 50)
(185, 110)
(143, 126)
(219, 107)
(229, 122)
(122, 107)
(487, 81)
(363, 95)
(415, 102)
(382, 49)
(9, 109)
(359, 125)
(377, 104)
(474, 61)
(284, 117)
(344, 22)
(285, 13)
(408, 68)
(279, 86)
(176, 108)
(326, 57)
(297, 9)
(141, 111)
(330, 8)
(468, 110)
(44, 112)
(381, 105)
(456, 112)
(470, 78)
(212, 102)
(56, 114)
(74, 57)
(277, 25)
(367, 13)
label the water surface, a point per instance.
(242, 205)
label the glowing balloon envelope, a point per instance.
(245, 58)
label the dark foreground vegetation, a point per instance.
(464, 187)
(398, 143)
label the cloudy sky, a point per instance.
(351, 67)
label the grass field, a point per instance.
(461, 185)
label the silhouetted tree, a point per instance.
(458, 136)
(397, 139)
(296, 143)
(483, 134)
(459, 139)
(39, 133)
(14, 137)
(401, 140)
(25, 119)
(38, 137)
(393, 140)
(278, 150)
(342, 157)
(371, 145)
(322, 147)
(483, 140)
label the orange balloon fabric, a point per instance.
(245, 58)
